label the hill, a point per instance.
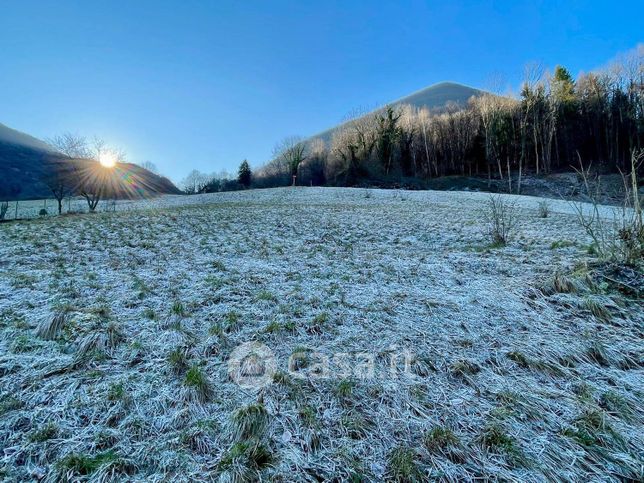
(439, 95)
(434, 97)
(17, 138)
(25, 161)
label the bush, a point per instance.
(501, 218)
(544, 209)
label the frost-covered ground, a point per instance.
(116, 331)
(31, 208)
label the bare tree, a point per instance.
(489, 108)
(58, 179)
(150, 166)
(313, 170)
(388, 135)
(97, 183)
(408, 136)
(292, 151)
(71, 145)
(82, 172)
(424, 125)
(195, 182)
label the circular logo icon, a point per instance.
(252, 365)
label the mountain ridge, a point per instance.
(9, 135)
(434, 97)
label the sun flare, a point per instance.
(107, 159)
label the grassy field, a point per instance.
(405, 346)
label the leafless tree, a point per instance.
(423, 119)
(71, 145)
(292, 151)
(150, 166)
(195, 182)
(58, 178)
(81, 172)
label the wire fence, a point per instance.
(30, 209)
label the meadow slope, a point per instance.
(116, 331)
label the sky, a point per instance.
(204, 84)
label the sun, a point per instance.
(107, 159)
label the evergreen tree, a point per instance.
(244, 174)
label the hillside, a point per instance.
(14, 137)
(434, 97)
(25, 160)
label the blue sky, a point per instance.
(204, 84)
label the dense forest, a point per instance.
(555, 123)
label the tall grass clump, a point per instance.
(250, 452)
(619, 238)
(402, 465)
(250, 422)
(197, 384)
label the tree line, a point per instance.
(553, 123)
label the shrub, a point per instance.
(501, 219)
(543, 209)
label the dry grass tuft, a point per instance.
(51, 329)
